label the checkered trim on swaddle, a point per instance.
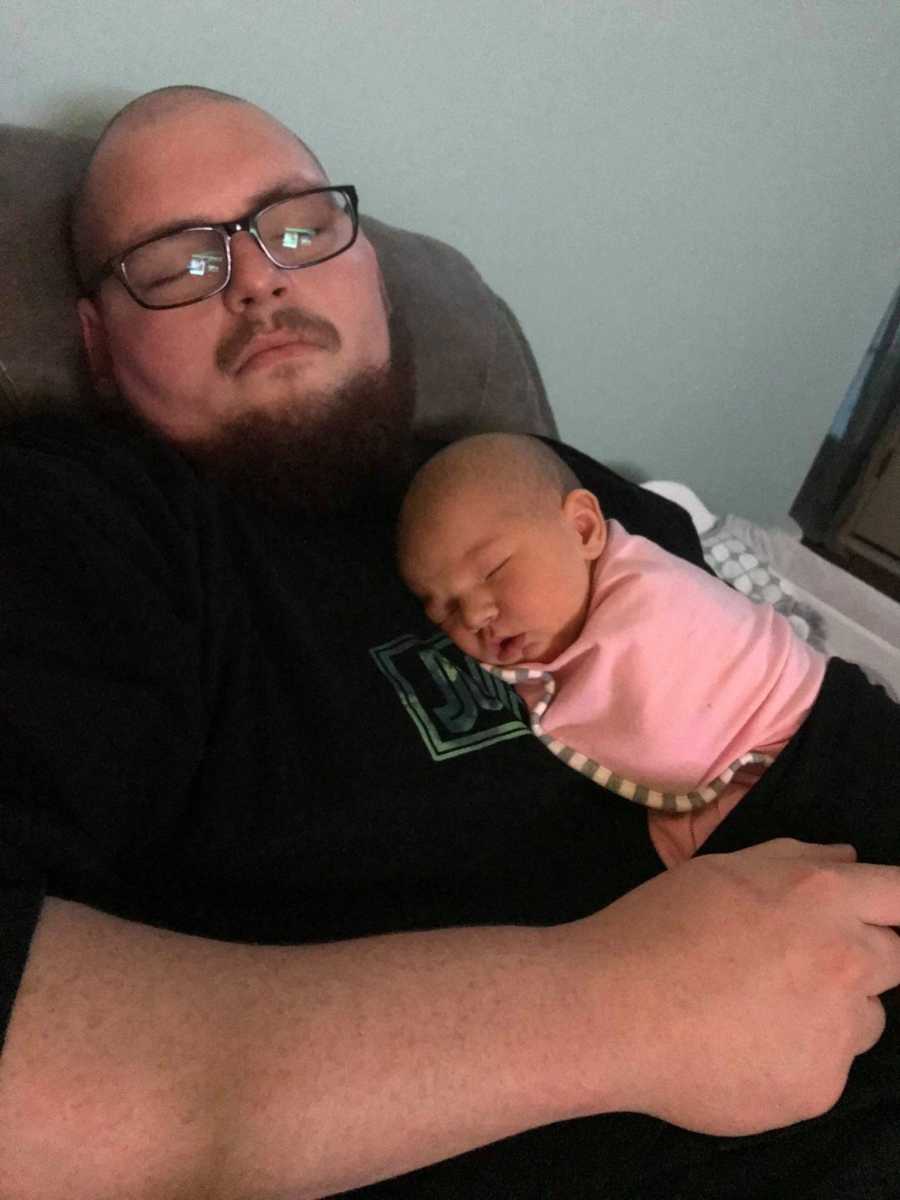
(640, 793)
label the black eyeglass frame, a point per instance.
(115, 266)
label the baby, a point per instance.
(641, 670)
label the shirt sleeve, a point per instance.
(101, 711)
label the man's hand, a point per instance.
(745, 984)
(728, 995)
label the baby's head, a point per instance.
(497, 538)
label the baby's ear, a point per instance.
(582, 510)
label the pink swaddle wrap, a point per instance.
(674, 679)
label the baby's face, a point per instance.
(507, 587)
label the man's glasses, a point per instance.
(194, 264)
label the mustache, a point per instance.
(315, 330)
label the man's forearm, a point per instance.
(729, 995)
(370, 1058)
(145, 1063)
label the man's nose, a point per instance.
(254, 278)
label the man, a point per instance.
(275, 947)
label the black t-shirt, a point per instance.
(236, 723)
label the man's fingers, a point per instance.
(882, 971)
(873, 892)
(872, 1025)
(872, 889)
(791, 848)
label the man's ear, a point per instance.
(582, 510)
(96, 347)
(382, 288)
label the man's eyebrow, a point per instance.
(270, 195)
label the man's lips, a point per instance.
(267, 349)
(288, 328)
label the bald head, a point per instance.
(90, 205)
(514, 472)
(520, 471)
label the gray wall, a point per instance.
(692, 204)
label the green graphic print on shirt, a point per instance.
(455, 705)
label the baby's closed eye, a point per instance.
(499, 567)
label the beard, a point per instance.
(324, 452)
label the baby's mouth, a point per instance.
(509, 649)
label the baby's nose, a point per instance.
(478, 610)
